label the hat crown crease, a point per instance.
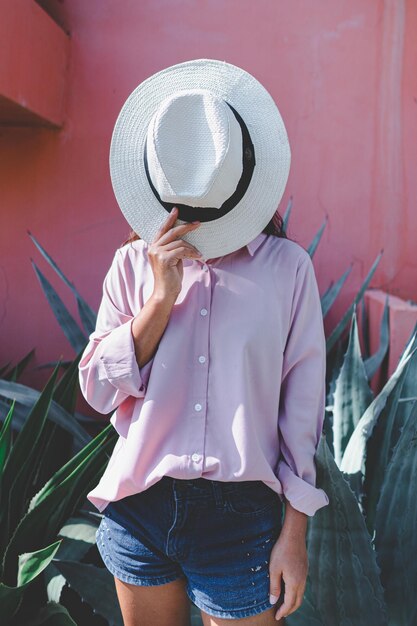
(194, 149)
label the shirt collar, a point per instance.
(252, 246)
(255, 243)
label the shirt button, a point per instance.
(202, 359)
(198, 407)
(195, 457)
(203, 312)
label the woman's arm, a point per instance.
(149, 326)
(289, 562)
(118, 358)
(165, 255)
(300, 423)
(303, 395)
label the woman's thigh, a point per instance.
(267, 618)
(164, 605)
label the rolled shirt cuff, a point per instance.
(117, 353)
(300, 494)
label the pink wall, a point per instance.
(33, 68)
(343, 75)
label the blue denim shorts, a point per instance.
(216, 535)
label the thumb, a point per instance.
(275, 587)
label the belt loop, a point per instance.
(217, 492)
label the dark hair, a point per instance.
(274, 227)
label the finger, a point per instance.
(289, 601)
(166, 225)
(172, 245)
(179, 253)
(299, 599)
(275, 586)
(297, 603)
(176, 231)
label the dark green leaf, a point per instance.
(72, 331)
(365, 329)
(26, 397)
(87, 315)
(10, 600)
(67, 387)
(354, 458)
(352, 393)
(101, 596)
(58, 500)
(79, 534)
(16, 371)
(19, 467)
(395, 526)
(336, 333)
(286, 216)
(52, 614)
(344, 574)
(373, 362)
(313, 245)
(31, 564)
(384, 438)
(330, 295)
(409, 390)
(6, 437)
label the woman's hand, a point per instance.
(289, 561)
(166, 253)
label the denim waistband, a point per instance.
(209, 486)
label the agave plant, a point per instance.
(41, 527)
(360, 546)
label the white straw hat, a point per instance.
(207, 137)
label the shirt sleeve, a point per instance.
(108, 369)
(303, 395)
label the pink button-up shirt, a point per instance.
(236, 388)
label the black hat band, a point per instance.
(207, 214)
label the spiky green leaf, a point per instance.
(52, 614)
(337, 332)
(383, 440)
(15, 372)
(87, 315)
(286, 216)
(10, 600)
(395, 527)
(330, 295)
(79, 534)
(344, 574)
(101, 596)
(352, 393)
(313, 245)
(354, 458)
(19, 467)
(6, 437)
(26, 397)
(72, 331)
(374, 361)
(31, 564)
(58, 500)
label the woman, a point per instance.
(214, 367)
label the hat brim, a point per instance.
(253, 102)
